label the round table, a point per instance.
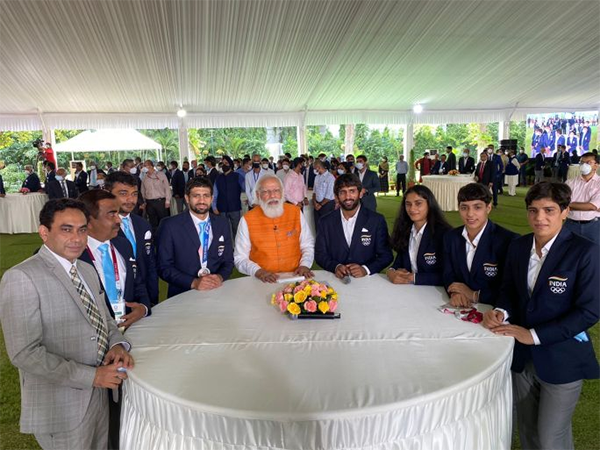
(226, 370)
(446, 187)
(21, 213)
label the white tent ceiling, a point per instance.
(108, 140)
(96, 63)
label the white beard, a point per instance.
(272, 211)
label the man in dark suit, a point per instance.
(475, 254)
(450, 159)
(353, 241)
(540, 162)
(32, 182)
(309, 173)
(498, 174)
(484, 172)
(522, 158)
(440, 167)
(194, 247)
(177, 185)
(61, 187)
(50, 169)
(548, 301)
(2, 190)
(211, 168)
(369, 181)
(560, 163)
(135, 229)
(466, 164)
(81, 178)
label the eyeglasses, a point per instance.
(271, 192)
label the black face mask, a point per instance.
(226, 168)
(256, 165)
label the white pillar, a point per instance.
(349, 140)
(301, 138)
(184, 143)
(408, 140)
(503, 130)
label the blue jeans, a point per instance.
(590, 230)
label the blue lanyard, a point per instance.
(204, 230)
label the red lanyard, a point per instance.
(114, 260)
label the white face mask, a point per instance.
(92, 167)
(145, 169)
(265, 166)
(28, 172)
(59, 178)
(100, 183)
(316, 172)
(341, 171)
(585, 169)
(359, 165)
(465, 155)
(133, 170)
(490, 151)
(286, 167)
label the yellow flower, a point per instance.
(288, 297)
(323, 294)
(294, 309)
(330, 291)
(323, 307)
(273, 301)
(334, 296)
(307, 289)
(300, 296)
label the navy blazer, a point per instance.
(81, 182)
(177, 249)
(369, 245)
(32, 182)
(135, 289)
(469, 167)
(54, 189)
(451, 161)
(488, 172)
(488, 264)
(2, 191)
(430, 258)
(371, 184)
(145, 255)
(178, 184)
(565, 302)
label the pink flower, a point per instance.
(315, 291)
(298, 288)
(283, 306)
(333, 305)
(310, 306)
(279, 297)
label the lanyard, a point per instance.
(203, 255)
(114, 260)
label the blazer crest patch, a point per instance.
(430, 258)
(365, 239)
(490, 269)
(558, 285)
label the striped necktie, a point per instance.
(93, 313)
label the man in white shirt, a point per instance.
(255, 174)
(548, 301)
(273, 237)
(584, 210)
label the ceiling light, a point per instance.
(181, 113)
(418, 109)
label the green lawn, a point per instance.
(510, 214)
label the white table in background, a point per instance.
(225, 370)
(446, 187)
(21, 213)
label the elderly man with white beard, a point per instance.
(273, 237)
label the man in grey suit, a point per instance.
(60, 336)
(370, 183)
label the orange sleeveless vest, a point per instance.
(275, 242)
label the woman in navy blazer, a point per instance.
(419, 211)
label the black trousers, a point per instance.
(156, 211)
(326, 208)
(400, 180)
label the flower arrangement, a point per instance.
(306, 297)
(453, 173)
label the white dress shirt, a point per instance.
(533, 270)
(471, 247)
(348, 227)
(94, 245)
(413, 246)
(585, 192)
(243, 246)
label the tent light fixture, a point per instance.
(181, 113)
(418, 108)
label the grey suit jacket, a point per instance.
(371, 184)
(51, 340)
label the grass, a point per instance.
(510, 214)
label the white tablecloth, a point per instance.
(21, 213)
(446, 187)
(226, 370)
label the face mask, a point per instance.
(59, 178)
(255, 165)
(465, 154)
(235, 167)
(265, 166)
(522, 151)
(133, 170)
(341, 171)
(286, 167)
(359, 165)
(585, 169)
(322, 158)
(92, 167)
(226, 168)
(145, 169)
(490, 151)
(28, 172)
(316, 172)
(100, 183)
